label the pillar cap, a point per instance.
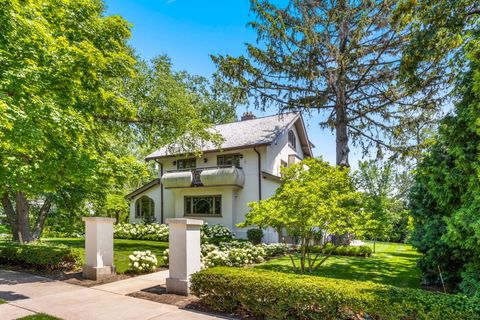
(185, 221)
(99, 219)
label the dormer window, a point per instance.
(292, 140)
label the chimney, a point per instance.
(248, 116)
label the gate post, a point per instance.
(184, 253)
(98, 248)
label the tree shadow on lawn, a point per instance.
(140, 246)
(119, 244)
(401, 274)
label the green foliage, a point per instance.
(314, 198)
(340, 58)
(255, 235)
(76, 106)
(152, 232)
(41, 256)
(385, 212)
(216, 234)
(355, 251)
(392, 263)
(275, 295)
(4, 229)
(445, 198)
(142, 261)
(122, 249)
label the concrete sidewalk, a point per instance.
(135, 284)
(27, 294)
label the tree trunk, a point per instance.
(42, 216)
(11, 215)
(22, 217)
(341, 121)
(342, 137)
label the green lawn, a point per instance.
(393, 264)
(122, 249)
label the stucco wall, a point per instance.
(280, 150)
(234, 200)
(154, 194)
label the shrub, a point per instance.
(152, 231)
(142, 261)
(41, 256)
(357, 251)
(235, 253)
(216, 234)
(275, 295)
(255, 235)
(274, 249)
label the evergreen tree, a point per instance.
(342, 59)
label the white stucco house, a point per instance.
(217, 186)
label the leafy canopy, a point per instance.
(315, 199)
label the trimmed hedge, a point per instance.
(276, 295)
(354, 251)
(41, 256)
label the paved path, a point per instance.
(135, 284)
(27, 294)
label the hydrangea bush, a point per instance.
(142, 261)
(216, 234)
(236, 253)
(152, 231)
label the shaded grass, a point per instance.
(393, 264)
(39, 316)
(122, 249)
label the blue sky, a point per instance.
(189, 31)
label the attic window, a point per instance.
(292, 140)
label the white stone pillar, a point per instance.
(98, 248)
(184, 253)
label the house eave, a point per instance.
(143, 188)
(209, 151)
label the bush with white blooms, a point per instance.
(142, 261)
(151, 231)
(236, 253)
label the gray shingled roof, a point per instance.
(255, 132)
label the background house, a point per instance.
(217, 186)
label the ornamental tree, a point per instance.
(315, 199)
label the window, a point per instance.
(203, 205)
(228, 160)
(144, 208)
(186, 163)
(292, 140)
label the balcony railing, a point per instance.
(207, 176)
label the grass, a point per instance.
(39, 316)
(393, 264)
(122, 249)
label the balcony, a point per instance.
(204, 177)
